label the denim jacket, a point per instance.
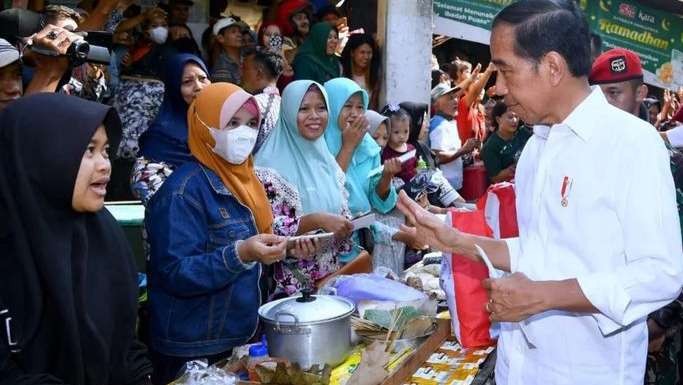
(203, 299)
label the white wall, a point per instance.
(404, 31)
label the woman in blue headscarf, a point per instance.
(163, 147)
(297, 151)
(356, 152)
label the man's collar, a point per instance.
(582, 121)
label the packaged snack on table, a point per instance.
(463, 376)
(443, 361)
(452, 348)
(467, 381)
(431, 376)
(343, 372)
(472, 358)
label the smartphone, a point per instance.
(363, 221)
(291, 242)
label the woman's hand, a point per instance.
(337, 224)
(354, 131)
(264, 248)
(305, 248)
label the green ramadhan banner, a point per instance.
(655, 35)
(479, 13)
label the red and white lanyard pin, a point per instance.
(567, 184)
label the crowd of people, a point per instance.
(240, 141)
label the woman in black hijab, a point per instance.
(67, 277)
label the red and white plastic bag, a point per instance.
(461, 280)
(499, 209)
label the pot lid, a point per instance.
(306, 308)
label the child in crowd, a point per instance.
(399, 131)
(378, 127)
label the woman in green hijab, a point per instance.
(316, 59)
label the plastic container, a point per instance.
(258, 353)
(421, 165)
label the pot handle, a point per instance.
(284, 313)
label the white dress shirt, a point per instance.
(617, 233)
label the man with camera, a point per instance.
(49, 48)
(47, 70)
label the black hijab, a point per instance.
(67, 278)
(417, 113)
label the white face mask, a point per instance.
(234, 145)
(158, 34)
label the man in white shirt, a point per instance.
(443, 134)
(591, 261)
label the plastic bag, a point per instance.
(499, 208)
(368, 287)
(372, 291)
(461, 280)
(199, 373)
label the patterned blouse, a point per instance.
(290, 277)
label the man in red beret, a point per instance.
(619, 74)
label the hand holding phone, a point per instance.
(317, 237)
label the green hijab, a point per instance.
(308, 165)
(312, 57)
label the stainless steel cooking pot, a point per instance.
(309, 329)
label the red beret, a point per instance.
(615, 66)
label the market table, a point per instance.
(431, 345)
(403, 373)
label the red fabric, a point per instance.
(285, 11)
(474, 181)
(471, 122)
(507, 209)
(408, 169)
(468, 275)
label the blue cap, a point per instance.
(258, 350)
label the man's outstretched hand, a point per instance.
(428, 228)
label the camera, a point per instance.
(17, 24)
(81, 51)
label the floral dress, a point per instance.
(137, 102)
(291, 277)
